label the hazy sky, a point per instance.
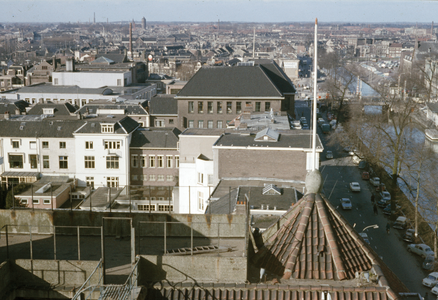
(225, 10)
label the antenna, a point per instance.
(315, 82)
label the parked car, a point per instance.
(329, 154)
(354, 186)
(305, 127)
(382, 203)
(346, 203)
(400, 223)
(409, 235)
(364, 236)
(387, 209)
(381, 187)
(365, 176)
(375, 181)
(431, 279)
(429, 264)
(385, 195)
(362, 165)
(421, 249)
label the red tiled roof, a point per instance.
(315, 242)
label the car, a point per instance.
(381, 187)
(329, 154)
(355, 186)
(305, 127)
(387, 209)
(365, 176)
(303, 119)
(409, 235)
(400, 223)
(375, 181)
(362, 165)
(431, 279)
(321, 121)
(346, 203)
(429, 264)
(364, 236)
(382, 203)
(421, 249)
(385, 195)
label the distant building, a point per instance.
(143, 23)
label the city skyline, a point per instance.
(389, 11)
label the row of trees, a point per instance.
(392, 140)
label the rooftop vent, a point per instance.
(59, 128)
(271, 189)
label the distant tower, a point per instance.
(94, 18)
(143, 23)
(130, 38)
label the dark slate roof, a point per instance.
(122, 125)
(9, 106)
(278, 77)
(287, 139)
(155, 138)
(60, 109)
(315, 242)
(242, 81)
(163, 105)
(62, 89)
(130, 109)
(39, 128)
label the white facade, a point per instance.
(86, 79)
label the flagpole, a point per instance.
(315, 82)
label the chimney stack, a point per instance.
(130, 39)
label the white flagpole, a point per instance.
(315, 82)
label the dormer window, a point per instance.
(107, 128)
(48, 111)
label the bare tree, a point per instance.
(424, 75)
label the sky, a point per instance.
(354, 11)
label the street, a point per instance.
(337, 173)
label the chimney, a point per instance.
(130, 38)
(17, 112)
(54, 62)
(70, 64)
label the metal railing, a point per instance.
(90, 288)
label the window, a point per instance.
(89, 145)
(112, 144)
(160, 177)
(171, 121)
(146, 207)
(119, 82)
(33, 161)
(56, 81)
(165, 207)
(200, 178)
(45, 144)
(160, 160)
(191, 107)
(63, 162)
(210, 179)
(89, 162)
(169, 161)
(219, 124)
(62, 145)
(238, 107)
(46, 201)
(107, 128)
(191, 123)
(219, 107)
(112, 181)
(46, 163)
(257, 106)
(23, 201)
(143, 161)
(200, 200)
(90, 181)
(134, 177)
(36, 201)
(15, 144)
(152, 161)
(134, 161)
(267, 106)
(15, 161)
(151, 177)
(112, 162)
(169, 178)
(229, 107)
(201, 124)
(176, 161)
(210, 124)
(200, 107)
(210, 107)
(159, 123)
(32, 145)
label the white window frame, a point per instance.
(200, 201)
(200, 178)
